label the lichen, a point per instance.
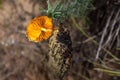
(59, 57)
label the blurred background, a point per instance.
(21, 59)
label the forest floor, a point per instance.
(21, 59)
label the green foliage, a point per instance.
(66, 8)
(118, 49)
(0, 4)
(110, 72)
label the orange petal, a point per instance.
(40, 28)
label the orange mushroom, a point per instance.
(39, 29)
